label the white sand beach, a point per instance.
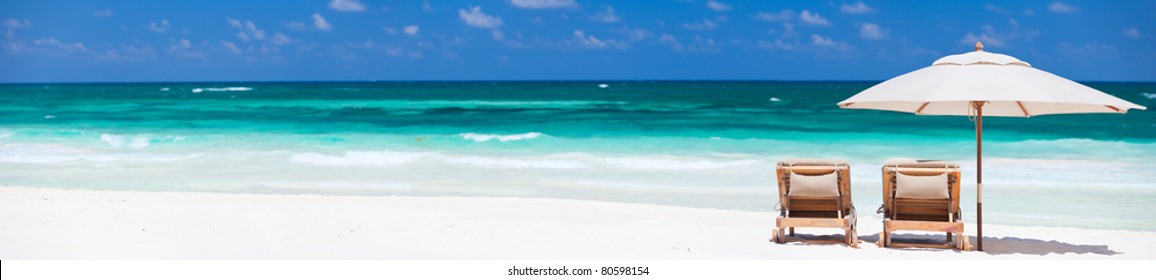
(37, 223)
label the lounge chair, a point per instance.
(922, 196)
(815, 193)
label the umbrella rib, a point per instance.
(1025, 110)
(1113, 108)
(921, 107)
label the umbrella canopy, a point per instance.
(1008, 86)
(981, 83)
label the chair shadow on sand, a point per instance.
(1005, 245)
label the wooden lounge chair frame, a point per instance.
(816, 212)
(933, 215)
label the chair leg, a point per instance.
(886, 238)
(792, 231)
(854, 238)
(779, 238)
(948, 237)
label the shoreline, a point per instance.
(43, 223)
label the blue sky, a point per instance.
(215, 40)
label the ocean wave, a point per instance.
(4, 133)
(1149, 95)
(671, 163)
(439, 104)
(351, 158)
(197, 90)
(136, 141)
(516, 163)
(55, 153)
(477, 137)
(1078, 147)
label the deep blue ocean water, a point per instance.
(698, 144)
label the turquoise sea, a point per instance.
(708, 144)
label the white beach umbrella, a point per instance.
(982, 83)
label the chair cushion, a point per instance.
(814, 186)
(922, 187)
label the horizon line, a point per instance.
(498, 80)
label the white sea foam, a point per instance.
(516, 163)
(197, 90)
(352, 158)
(130, 141)
(1097, 149)
(55, 153)
(504, 138)
(4, 133)
(136, 141)
(674, 163)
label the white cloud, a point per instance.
(425, 6)
(280, 39)
(1029, 12)
(320, 23)
(1060, 7)
(591, 42)
(634, 34)
(102, 13)
(822, 41)
(62, 46)
(401, 52)
(498, 35)
(1132, 32)
(856, 9)
(184, 48)
(705, 25)
(813, 19)
(699, 44)
(789, 30)
(671, 41)
(543, 4)
(783, 15)
(474, 17)
(346, 5)
(231, 47)
(717, 6)
(871, 31)
(256, 33)
(247, 30)
(297, 25)
(999, 38)
(987, 40)
(233, 22)
(159, 27)
(995, 8)
(12, 23)
(1086, 51)
(412, 29)
(606, 16)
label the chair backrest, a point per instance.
(814, 179)
(916, 189)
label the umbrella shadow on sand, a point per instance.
(1005, 245)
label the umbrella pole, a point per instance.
(979, 174)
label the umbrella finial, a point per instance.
(978, 46)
